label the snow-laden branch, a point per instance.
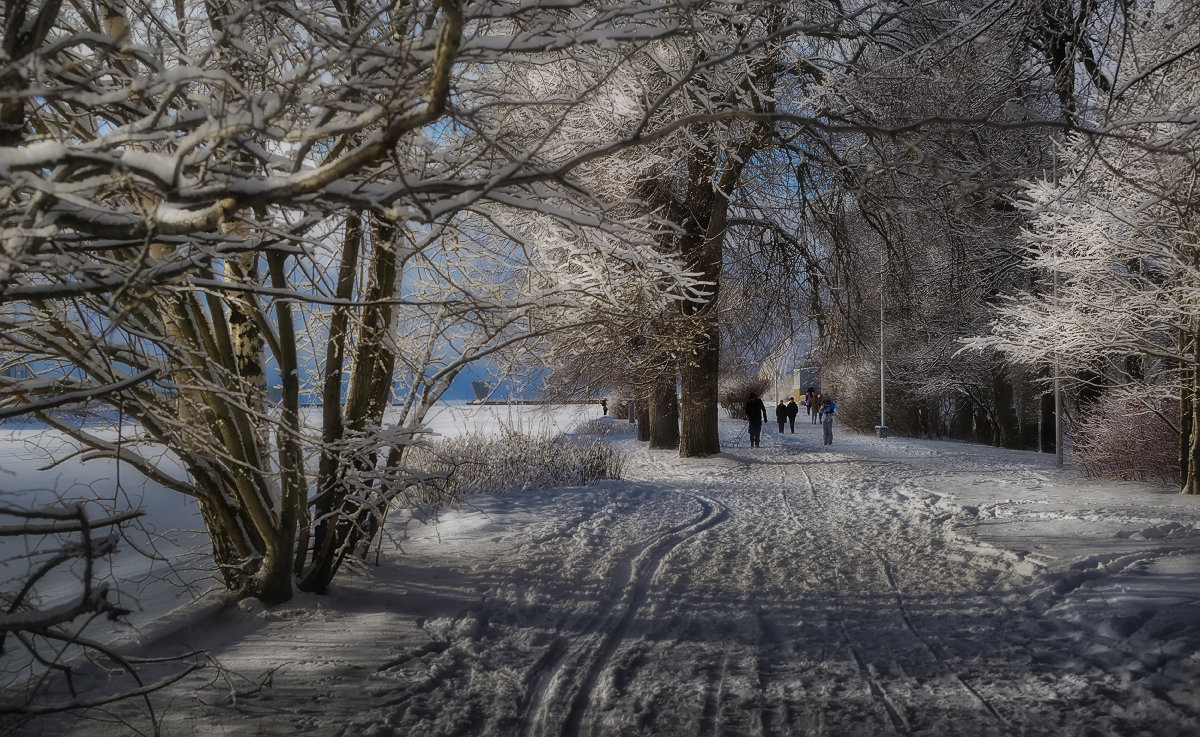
(66, 521)
(83, 395)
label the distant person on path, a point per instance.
(756, 412)
(810, 403)
(793, 409)
(604, 405)
(781, 415)
(827, 410)
(816, 409)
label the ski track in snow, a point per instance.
(785, 590)
(898, 719)
(615, 623)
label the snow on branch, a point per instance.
(67, 521)
(82, 395)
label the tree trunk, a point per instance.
(347, 520)
(1185, 423)
(699, 366)
(985, 428)
(1189, 436)
(1049, 437)
(642, 404)
(664, 414)
(698, 374)
(272, 578)
(293, 514)
(699, 370)
(1008, 426)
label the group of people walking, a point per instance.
(819, 409)
(786, 413)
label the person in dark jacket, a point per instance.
(756, 412)
(781, 415)
(793, 409)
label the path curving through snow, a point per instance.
(876, 587)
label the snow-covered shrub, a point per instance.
(599, 426)
(1129, 436)
(460, 467)
(855, 389)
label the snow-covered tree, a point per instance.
(940, 125)
(707, 94)
(1113, 235)
(208, 200)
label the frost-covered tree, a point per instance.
(702, 101)
(1113, 233)
(225, 210)
(742, 84)
(938, 128)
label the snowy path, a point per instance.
(784, 590)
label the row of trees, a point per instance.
(917, 182)
(1008, 193)
(1112, 235)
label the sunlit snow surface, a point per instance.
(894, 587)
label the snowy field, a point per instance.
(894, 587)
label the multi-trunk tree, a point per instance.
(226, 230)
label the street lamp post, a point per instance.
(1058, 428)
(881, 430)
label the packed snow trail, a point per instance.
(790, 589)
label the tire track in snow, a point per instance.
(879, 693)
(572, 678)
(772, 714)
(922, 641)
(1035, 610)
(887, 570)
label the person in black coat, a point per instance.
(781, 415)
(793, 409)
(756, 412)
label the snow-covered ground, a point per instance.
(894, 587)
